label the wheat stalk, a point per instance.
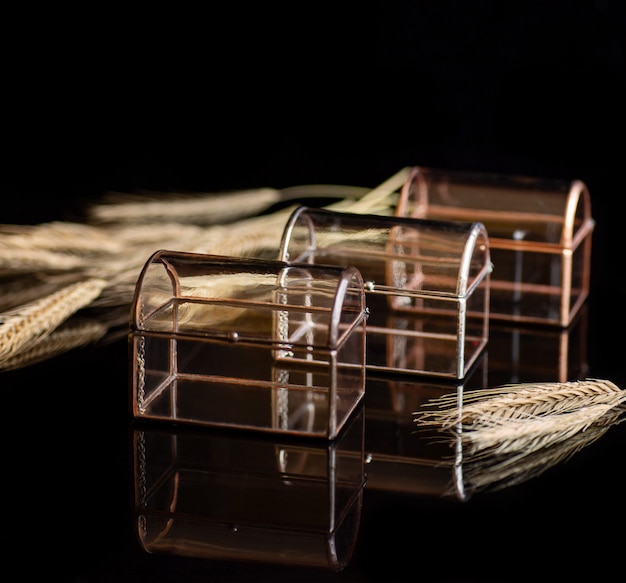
(378, 200)
(519, 401)
(27, 288)
(33, 260)
(140, 234)
(530, 434)
(499, 471)
(246, 238)
(509, 433)
(211, 208)
(59, 236)
(20, 327)
(308, 192)
(198, 209)
(66, 337)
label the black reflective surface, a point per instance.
(74, 474)
(537, 91)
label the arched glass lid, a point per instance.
(416, 256)
(246, 298)
(539, 211)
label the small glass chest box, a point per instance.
(247, 343)
(539, 233)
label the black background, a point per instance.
(338, 93)
(300, 93)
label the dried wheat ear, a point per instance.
(524, 416)
(506, 435)
(493, 406)
(66, 267)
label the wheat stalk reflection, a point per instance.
(507, 435)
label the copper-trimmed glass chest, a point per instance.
(539, 234)
(426, 284)
(247, 343)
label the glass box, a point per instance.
(247, 343)
(539, 234)
(426, 284)
(222, 495)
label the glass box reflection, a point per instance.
(236, 496)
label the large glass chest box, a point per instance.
(539, 234)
